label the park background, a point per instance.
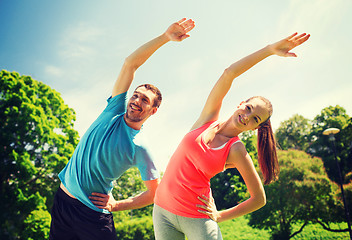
(78, 48)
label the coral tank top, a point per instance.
(189, 171)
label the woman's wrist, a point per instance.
(269, 50)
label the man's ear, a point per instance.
(154, 110)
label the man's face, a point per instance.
(140, 105)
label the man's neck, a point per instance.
(134, 125)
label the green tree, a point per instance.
(293, 133)
(136, 223)
(129, 184)
(303, 194)
(228, 189)
(333, 117)
(36, 141)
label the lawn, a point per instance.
(240, 230)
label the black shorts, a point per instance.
(71, 220)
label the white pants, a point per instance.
(168, 226)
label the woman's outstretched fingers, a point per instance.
(291, 36)
(304, 38)
(299, 39)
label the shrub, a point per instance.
(135, 229)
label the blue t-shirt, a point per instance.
(104, 153)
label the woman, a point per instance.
(183, 200)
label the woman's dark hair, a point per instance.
(155, 90)
(267, 156)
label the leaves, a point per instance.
(293, 133)
(36, 141)
(302, 194)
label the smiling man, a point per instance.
(83, 203)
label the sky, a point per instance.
(78, 48)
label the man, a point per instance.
(107, 150)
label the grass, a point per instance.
(240, 230)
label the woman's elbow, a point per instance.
(262, 200)
(263, 203)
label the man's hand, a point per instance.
(103, 201)
(178, 30)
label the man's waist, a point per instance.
(66, 191)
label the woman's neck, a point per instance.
(227, 129)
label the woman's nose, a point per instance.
(245, 118)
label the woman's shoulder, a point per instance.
(238, 148)
(203, 125)
(237, 151)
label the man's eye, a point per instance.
(248, 108)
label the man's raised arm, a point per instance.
(176, 32)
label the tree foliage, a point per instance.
(293, 133)
(36, 141)
(130, 184)
(303, 194)
(307, 135)
(333, 117)
(135, 229)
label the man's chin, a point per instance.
(132, 118)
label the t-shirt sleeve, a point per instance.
(117, 104)
(145, 164)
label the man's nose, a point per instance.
(137, 100)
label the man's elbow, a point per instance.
(131, 64)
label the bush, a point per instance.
(135, 229)
(37, 225)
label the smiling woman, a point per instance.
(212, 146)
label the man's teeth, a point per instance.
(135, 108)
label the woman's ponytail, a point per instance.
(267, 156)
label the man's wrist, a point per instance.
(164, 38)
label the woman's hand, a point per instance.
(178, 30)
(282, 48)
(103, 201)
(209, 208)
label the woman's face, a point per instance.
(249, 115)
